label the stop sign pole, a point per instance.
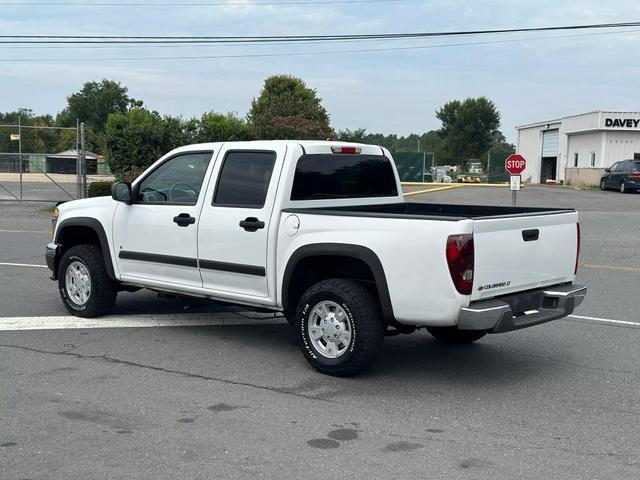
(515, 165)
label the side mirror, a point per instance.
(608, 170)
(121, 192)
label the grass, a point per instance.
(48, 208)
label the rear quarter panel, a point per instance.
(412, 253)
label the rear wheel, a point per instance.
(453, 336)
(339, 327)
(85, 288)
(623, 187)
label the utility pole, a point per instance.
(20, 148)
(83, 162)
(78, 162)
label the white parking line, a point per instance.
(27, 231)
(133, 321)
(605, 321)
(25, 265)
(185, 320)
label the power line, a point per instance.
(191, 4)
(295, 54)
(206, 45)
(142, 40)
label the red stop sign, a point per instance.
(515, 164)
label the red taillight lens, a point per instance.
(634, 176)
(577, 250)
(460, 260)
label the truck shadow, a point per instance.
(405, 361)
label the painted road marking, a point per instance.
(26, 231)
(25, 265)
(133, 321)
(604, 321)
(186, 320)
(611, 267)
(437, 189)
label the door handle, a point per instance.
(251, 224)
(530, 235)
(184, 220)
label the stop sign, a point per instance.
(515, 164)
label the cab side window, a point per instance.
(244, 179)
(177, 181)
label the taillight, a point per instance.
(575, 272)
(346, 150)
(634, 176)
(460, 261)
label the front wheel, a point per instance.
(339, 327)
(603, 184)
(453, 336)
(85, 288)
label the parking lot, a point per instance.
(227, 394)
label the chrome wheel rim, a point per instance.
(622, 187)
(329, 329)
(77, 282)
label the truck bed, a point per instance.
(431, 211)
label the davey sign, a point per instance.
(515, 164)
(622, 122)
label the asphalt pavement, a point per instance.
(239, 401)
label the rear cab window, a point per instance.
(334, 176)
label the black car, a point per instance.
(623, 176)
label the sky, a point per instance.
(530, 77)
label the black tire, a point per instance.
(453, 336)
(103, 291)
(603, 185)
(365, 320)
(623, 187)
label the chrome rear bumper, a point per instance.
(522, 310)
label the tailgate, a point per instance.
(523, 252)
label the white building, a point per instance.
(576, 149)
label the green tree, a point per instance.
(216, 127)
(500, 146)
(34, 140)
(359, 135)
(288, 109)
(94, 103)
(137, 138)
(468, 129)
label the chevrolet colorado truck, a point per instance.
(320, 232)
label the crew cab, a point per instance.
(320, 232)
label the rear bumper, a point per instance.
(522, 310)
(52, 257)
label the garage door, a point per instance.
(550, 143)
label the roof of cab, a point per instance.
(306, 144)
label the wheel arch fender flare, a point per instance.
(358, 252)
(98, 229)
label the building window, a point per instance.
(593, 159)
(576, 157)
(636, 156)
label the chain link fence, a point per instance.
(44, 163)
(422, 167)
(414, 166)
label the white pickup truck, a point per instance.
(318, 231)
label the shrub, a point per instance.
(100, 189)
